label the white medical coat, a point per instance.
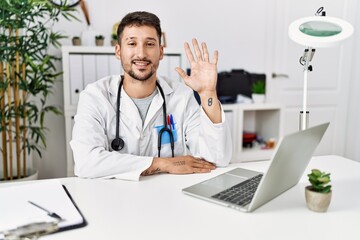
(95, 128)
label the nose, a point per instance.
(140, 52)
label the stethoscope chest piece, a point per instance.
(117, 144)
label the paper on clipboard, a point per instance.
(50, 194)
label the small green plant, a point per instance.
(76, 38)
(320, 181)
(99, 37)
(258, 87)
(114, 36)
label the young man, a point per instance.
(201, 137)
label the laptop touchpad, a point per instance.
(224, 181)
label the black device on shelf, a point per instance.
(237, 81)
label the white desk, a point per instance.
(155, 208)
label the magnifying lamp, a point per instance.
(318, 31)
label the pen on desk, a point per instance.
(49, 213)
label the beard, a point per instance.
(139, 77)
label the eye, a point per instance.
(150, 44)
(131, 44)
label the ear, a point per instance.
(117, 51)
(161, 52)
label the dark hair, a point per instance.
(139, 19)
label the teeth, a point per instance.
(141, 63)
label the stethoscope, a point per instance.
(117, 144)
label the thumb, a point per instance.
(181, 72)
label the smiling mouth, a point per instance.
(141, 63)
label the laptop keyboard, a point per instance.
(242, 193)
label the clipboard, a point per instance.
(19, 217)
(83, 223)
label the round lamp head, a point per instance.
(319, 31)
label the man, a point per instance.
(201, 137)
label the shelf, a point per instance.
(262, 119)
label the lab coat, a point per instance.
(95, 128)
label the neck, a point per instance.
(139, 89)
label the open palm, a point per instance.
(203, 74)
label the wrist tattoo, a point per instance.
(210, 102)
(179, 163)
(151, 172)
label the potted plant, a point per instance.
(99, 40)
(76, 41)
(27, 77)
(318, 194)
(258, 91)
(114, 39)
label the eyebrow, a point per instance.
(148, 38)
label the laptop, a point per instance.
(246, 190)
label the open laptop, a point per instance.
(246, 190)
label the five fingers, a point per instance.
(202, 166)
(200, 56)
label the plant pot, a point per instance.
(99, 42)
(76, 41)
(258, 98)
(31, 174)
(316, 201)
(113, 42)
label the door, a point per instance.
(328, 83)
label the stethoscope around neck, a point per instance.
(117, 144)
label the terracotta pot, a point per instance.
(76, 41)
(99, 42)
(113, 42)
(316, 201)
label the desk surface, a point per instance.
(155, 208)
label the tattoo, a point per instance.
(148, 172)
(210, 102)
(179, 163)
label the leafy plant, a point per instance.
(114, 36)
(258, 87)
(27, 77)
(99, 37)
(76, 38)
(320, 181)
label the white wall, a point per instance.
(352, 149)
(230, 26)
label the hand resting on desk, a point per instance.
(179, 165)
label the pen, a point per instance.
(49, 213)
(169, 121)
(172, 121)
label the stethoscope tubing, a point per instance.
(118, 144)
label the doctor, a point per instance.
(120, 119)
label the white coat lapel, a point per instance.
(155, 106)
(128, 110)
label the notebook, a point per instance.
(246, 190)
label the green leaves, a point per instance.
(320, 181)
(258, 87)
(25, 37)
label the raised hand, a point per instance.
(203, 74)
